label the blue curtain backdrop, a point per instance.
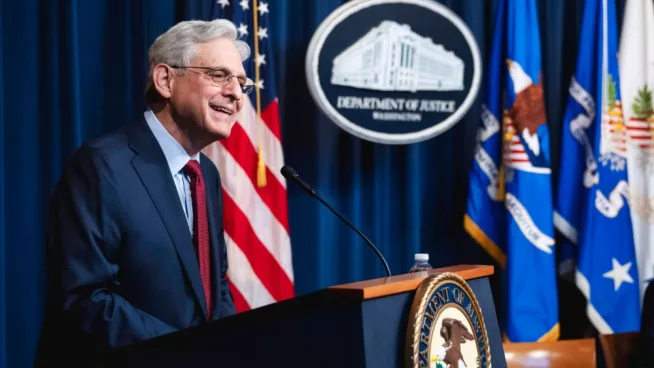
(71, 70)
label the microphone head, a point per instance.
(288, 172)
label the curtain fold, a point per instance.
(3, 240)
(71, 70)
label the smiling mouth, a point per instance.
(223, 109)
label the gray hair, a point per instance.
(178, 45)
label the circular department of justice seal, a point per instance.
(446, 327)
(394, 71)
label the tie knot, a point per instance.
(192, 169)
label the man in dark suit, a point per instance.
(136, 247)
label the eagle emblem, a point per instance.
(528, 110)
(522, 145)
(448, 328)
(455, 333)
(613, 138)
(641, 123)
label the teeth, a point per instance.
(222, 109)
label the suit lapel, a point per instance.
(215, 219)
(152, 168)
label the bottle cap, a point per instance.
(422, 257)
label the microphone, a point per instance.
(291, 174)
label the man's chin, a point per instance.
(221, 130)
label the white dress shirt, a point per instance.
(177, 158)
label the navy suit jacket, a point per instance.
(647, 328)
(121, 263)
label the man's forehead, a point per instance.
(220, 57)
(220, 48)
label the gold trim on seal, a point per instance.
(417, 315)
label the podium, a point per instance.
(361, 324)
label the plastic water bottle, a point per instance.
(421, 263)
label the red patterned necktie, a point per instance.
(200, 227)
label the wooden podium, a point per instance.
(362, 324)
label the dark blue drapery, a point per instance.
(71, 70)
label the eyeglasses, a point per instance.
(222, 78)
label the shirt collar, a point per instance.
(176, 155)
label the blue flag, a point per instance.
(510, 209)
(592, 204)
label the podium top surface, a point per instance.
(406, 282)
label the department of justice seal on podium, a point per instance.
(446, 326)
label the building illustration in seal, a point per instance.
(391, 57)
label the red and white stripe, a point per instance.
(514, 152)
(613, 130)
(255, 219)
(641, 132)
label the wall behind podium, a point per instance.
(73, 69)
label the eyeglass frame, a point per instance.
(246, 89)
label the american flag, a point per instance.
(254, 191)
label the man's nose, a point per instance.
(233, 89)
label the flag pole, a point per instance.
(261, 165)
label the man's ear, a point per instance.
(163, 79)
